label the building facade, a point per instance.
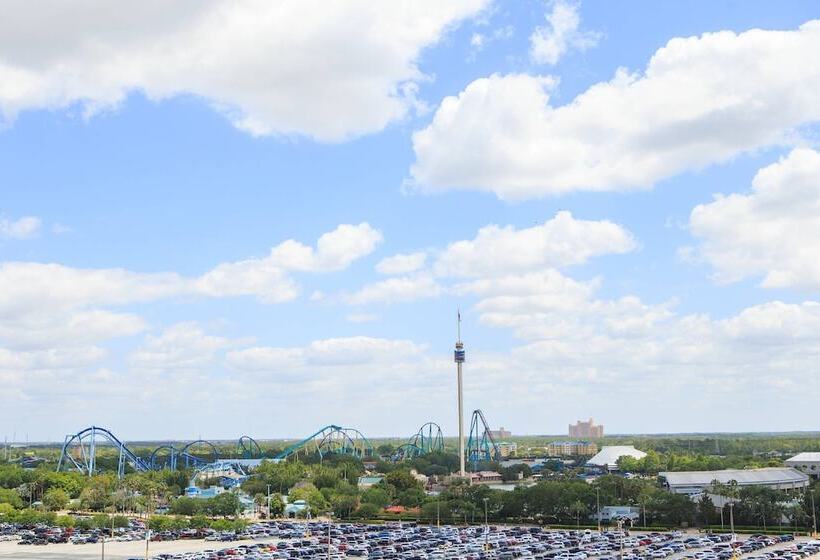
(572, 449)
(696, 483)
(808, 463)
(586, 430)
(501, 433)
(507, 449)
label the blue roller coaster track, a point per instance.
(80, 452)
(481, 445)
(328, 440)
(247, 448)
(428, 439)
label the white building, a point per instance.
(607, 457)
(808, 463)
(613, 513)
(695, 483)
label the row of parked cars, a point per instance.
(320, 541)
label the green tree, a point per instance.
(310, 494)
(225, 504)
(55, 499)
(11, 497)
(187, 506)
(376, 496)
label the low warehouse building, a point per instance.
(808, 463)
(696, 483)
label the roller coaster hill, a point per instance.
(96, 449)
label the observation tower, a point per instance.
(460, 356)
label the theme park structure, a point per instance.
(80, 451)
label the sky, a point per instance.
(252, 217)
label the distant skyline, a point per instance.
(227, 218)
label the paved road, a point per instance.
(113, 550)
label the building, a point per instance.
(571, 448)
(808, 463)
(607, 457)
(366, 482)
(485, 477)
(695, 483)
(614, 513)
(507, 449)
(500, 434)
(586, 430)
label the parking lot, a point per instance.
(320, 541)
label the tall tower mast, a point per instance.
(460, 357)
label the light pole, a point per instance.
(598, 503)
(329, 523)
(268, 501)
(486, 525)
(813, 515)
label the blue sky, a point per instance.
(161, 172)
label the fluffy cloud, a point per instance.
(396, 290)
(496, 251)
(770, 232)
(21, 228)
(331, 352)
(184, 346)
(550, 42)
(700, 101)
(335, 250)
(56, 306)
(329, 70)
(559, 242)
(402, 263)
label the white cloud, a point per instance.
(335, 250)
(395, 290)
(183, 346)
(561, 241)
(53, 305)
(326, 69)
(21, 228)
(331, 352)
(402, 263)
(496, 251)
(550, 42)
(700, 101)
(770, 232)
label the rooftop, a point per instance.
(770, 475)
(608, 456)
(805, 457)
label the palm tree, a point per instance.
(577, 507)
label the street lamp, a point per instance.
(268, 501)
(486, 525)
(598, 502)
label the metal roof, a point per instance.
(770, 476)
(805, 457)
(608, 456)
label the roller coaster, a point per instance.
(428, 439)
(79, 451)
(331, 439)
(481, 445)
